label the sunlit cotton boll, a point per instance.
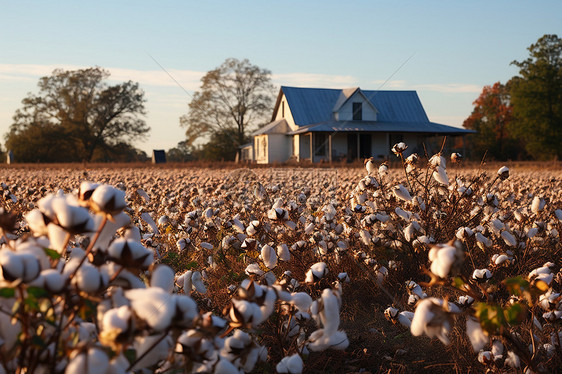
(18, 266)
(537, 204)
(244, 313)
(290, 364)
(51, 280)
(153, 305)
(513, 360)
(197, 281)
(268, 256)
(503, 173)
(163, 277)
(92, 361)
(445, 259)
(108, 199)
(383, 169)
(440, 176)
(485, 357)
(370, 166)
(130, 253)
(316, 272)
(399, 148)
(89, 279)
(432, 319)
(508, 238)
(478, 338)
(481, 274)
(150, 350)
(482, 241)
(117, 320)
(283, 252)
(402, 193)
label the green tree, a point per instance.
(491, 117)
(536, 96)
(76, 115)
(180, 153)
(233, 97)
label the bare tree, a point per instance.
(235, 96)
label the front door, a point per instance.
(365, 145)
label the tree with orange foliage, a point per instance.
(491, 116)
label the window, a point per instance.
(319, 144)
(357, 112)
(282, 109)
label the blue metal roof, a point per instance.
(315, 105)
(430, 128)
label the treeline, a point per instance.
(522, 119)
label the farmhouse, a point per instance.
(320, 124)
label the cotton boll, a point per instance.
(163, 277)
(244, 313)
(117, 319)
(485, 357)
(268, 256)
(503, 172)
(431, 319)
(440, 175)
(153, 305)
(537, 204)
(53, 280)
(402, 193)
(482, 241)
(186, 310)
(155, 351)
(497, 348)
(254, 269)
(508, 238)
(316, 272)
(150, 222)
(92, 361)
(330, 314)
(283, 252)
(197, 282)
(477, 336)
(301, 300)
(513, 360)
(89, 279)
(184, 281)
(207, 246)
(445, 258)
(481, 274)
(36, 222)
(532, 232)
(290, 364)
(129, 253)
(108, 199)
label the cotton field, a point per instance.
(427, 265)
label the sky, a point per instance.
(445, 50)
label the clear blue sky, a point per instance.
(452, 48)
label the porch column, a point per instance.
(330, 148)
(358, 145)
(311, 150)
(388, 145)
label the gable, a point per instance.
(343, 111)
